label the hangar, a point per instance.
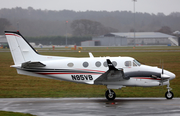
(3, 41)
(140, 38)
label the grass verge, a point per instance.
(5, 113)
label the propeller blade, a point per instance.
(163, 76)
(162, 67)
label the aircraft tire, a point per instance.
(169, 95)
(111, 96)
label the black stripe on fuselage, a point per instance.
(36, 70)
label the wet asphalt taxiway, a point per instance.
(93, 106)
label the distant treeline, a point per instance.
(32, 22)
(58, 40)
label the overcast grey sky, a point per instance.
(149, 6)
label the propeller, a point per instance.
(163, 76)
(161, 65)
(162, 73)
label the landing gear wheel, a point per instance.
(110, 95)
(169, 95)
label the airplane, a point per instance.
(112, 72)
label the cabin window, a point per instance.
(85, 64)
(128, 63)
(114, 63)
(70, 64)
(98, 64)
(105, 64)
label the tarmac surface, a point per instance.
(92, 106)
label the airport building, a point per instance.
(129, 39)
(3, 41)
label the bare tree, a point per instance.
(87, 27)
(165, 29)
(3, 24)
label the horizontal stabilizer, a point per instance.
(32, 64)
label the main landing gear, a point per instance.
(169, 94)
(110, 94)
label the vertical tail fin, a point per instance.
(21, 50)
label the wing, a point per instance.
(113, 74)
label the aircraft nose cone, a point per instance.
(172, 76)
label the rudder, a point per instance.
(20, 49)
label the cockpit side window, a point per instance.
(128, 63)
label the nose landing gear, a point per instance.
(169, 94)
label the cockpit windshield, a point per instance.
(136, 62)
(133, 63)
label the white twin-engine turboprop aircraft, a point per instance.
(113, 72)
